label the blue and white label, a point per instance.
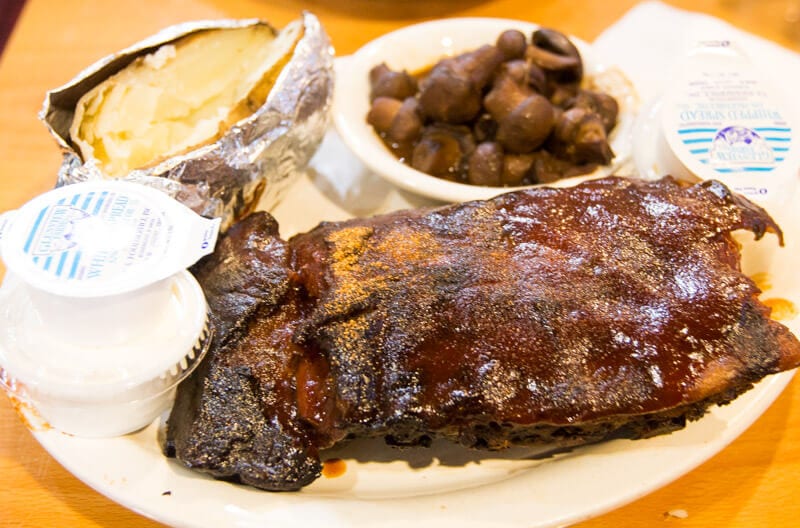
(55, 230)
(741, 148)
(89, 235)
(737, 148)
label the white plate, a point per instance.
(419, 46)
(382, 487)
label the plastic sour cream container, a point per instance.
(719, 119)
(99, 319)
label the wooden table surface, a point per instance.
(753, 482)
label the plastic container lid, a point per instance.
(721, 120)
(102, 238)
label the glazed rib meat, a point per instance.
(615, 308)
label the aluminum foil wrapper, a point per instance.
(255, 160)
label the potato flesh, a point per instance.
(184, 95)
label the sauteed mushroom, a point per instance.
(579, 136)
(524, 118)
(452, 92)
(556, 53)
(516, 168)
(486, 165)
(527, 125)
(512, 44)
(602, 104)
(407, 123)
(441, 150)
(387, 83)
(382, 113)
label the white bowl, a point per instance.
(422, 45)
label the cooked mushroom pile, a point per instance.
(512, 113)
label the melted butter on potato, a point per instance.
(184, 95)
